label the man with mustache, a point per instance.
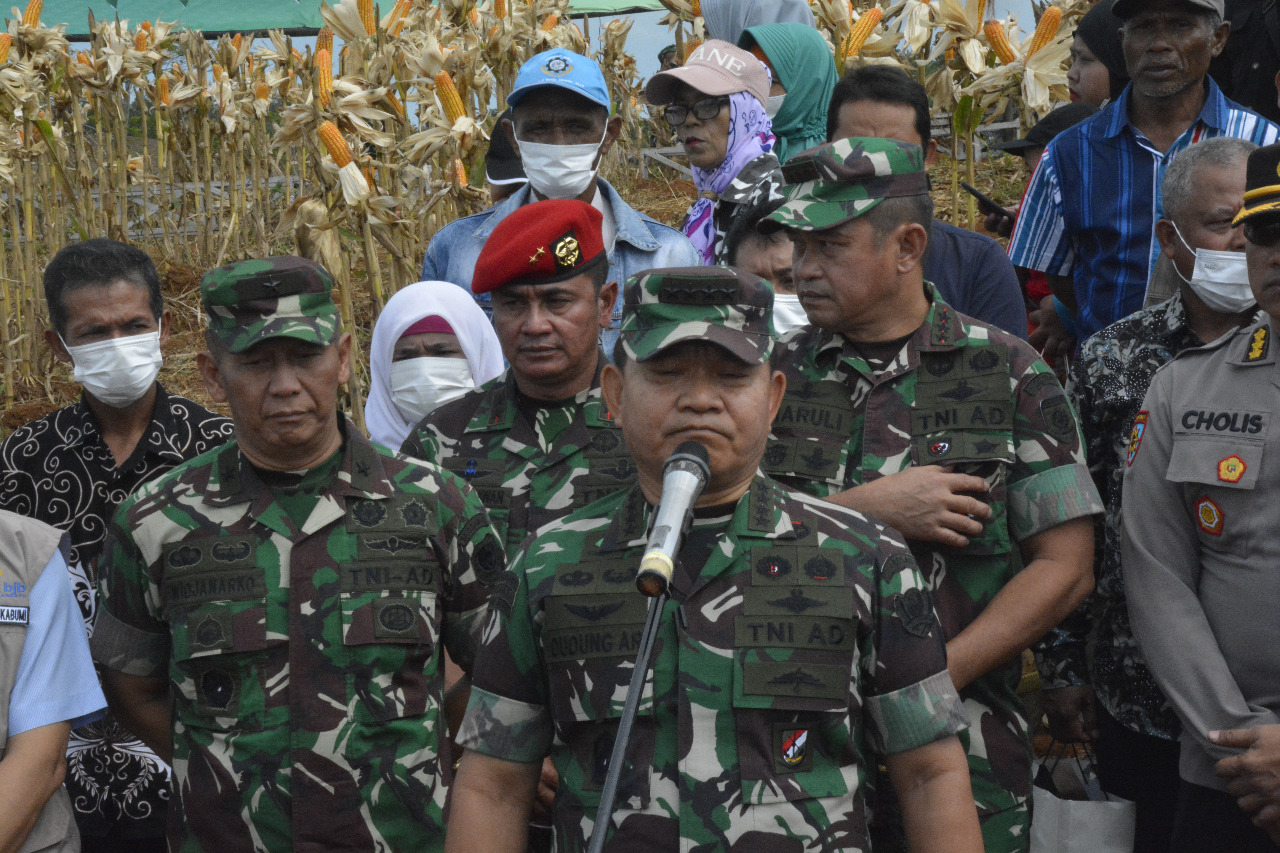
(948, 429)
(1088, 216)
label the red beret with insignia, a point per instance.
(541, 243)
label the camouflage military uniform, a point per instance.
(958, 393)
(527, 472)
(803, 640)
(298, 618)
(209, 583)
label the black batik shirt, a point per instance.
(58, 469)
(1095, 645)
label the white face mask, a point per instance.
(788, 313)
(1220, 279)
(117, 371)
(774, 104)
(419, 386)
(560, 171)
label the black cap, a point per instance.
(502, 162)
(1261, 184)
(1048, 127)
(1125, 9)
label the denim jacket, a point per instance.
(642, 243)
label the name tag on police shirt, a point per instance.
(14, 615)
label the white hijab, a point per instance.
(475, 333)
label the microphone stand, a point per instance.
(609, 792)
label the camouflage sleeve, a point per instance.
(129, 634)
(910, 700)
(508, 715)
(476, 562)
(1048, 482)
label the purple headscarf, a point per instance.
(750, 135)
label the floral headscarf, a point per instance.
(750, 136)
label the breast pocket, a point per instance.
(390, 628)
(812, 427)
(1219, 476)
(589, 642)
(794, 653)
(215, 600)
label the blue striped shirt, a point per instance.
(1091, 207)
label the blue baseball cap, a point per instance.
(563, 68)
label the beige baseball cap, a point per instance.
(715, 68)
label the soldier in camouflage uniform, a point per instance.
(948, 429)
(273, 612)
(538, 441)
(797, 641)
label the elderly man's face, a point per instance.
(555, 116)
(283, 395)
(1262, 250)
(1216, 195)
(1168, 47)
(696, 391)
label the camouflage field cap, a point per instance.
(833, 183)
(664, 307)
(281, 297)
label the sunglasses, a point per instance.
(1264, 232)
(704, 110)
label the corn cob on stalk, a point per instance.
(324, 40)
(355, 188)
(366, 16)
(861, 31)
(324, 78)
(1045, 30)
(6, 42)
(459, 172)
(450, 100)
(999, 41)
(162, 90)
(550, 23)
(31, 15)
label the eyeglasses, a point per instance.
(1264, 232)
(704, 110)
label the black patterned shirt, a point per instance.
(59, 470)
(1095, 645)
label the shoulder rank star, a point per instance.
(1231, 469)
(1258, 345)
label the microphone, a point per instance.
(683, 478)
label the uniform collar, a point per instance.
(765, 511)
(941, 331)
(631, 227)
(153, 439)
(497, 412)
(361, 474)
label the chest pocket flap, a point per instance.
(1218, 447)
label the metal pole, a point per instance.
(609, 792)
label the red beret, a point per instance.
(541, 243)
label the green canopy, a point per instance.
(219, 16)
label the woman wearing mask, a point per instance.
(804, 73)
(1097, 73)
(715, 103)
(431, 344)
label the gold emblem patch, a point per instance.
(1209, 516)
(1231, 469)
(567, 252)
